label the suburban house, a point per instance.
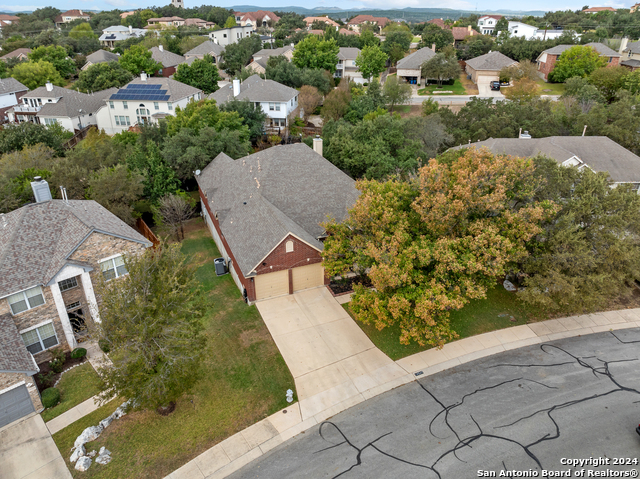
(117, 33)
(128, 14)
(143, 100)
(226, 36)
(51, 104)
(486, 68)
(265, 211)
(599, 9)
(346, 67)
(199, 23)
(599, 153)
(439, 22)
(11, 91)
(548, 58)
(101, 56)
(276, 100)
(6, 20)
(356, 22)
(634, 8)
(168, 60)
(165, 22)
(487, 23)
(259, 59)
(52, 252)
(461, 33)
(21, 54)
(206, 48)
(71, 16)
(310, 20)
(261, 18)
(177, 3)
(630, 54)
(409, 67)
(529, 32)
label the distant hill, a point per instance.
(409, 13)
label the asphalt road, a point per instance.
(524, 410)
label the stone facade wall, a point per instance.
(77, 294)
(37, 315)
(9, 379)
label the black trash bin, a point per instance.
(221, 266)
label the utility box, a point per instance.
(221, 266)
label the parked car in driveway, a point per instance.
(495, 85)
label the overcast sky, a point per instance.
(481, 5)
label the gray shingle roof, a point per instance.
(348, 53)
(416, 59)
(102, 56)
(255, 89)
(272, 52)
(633, 47)
(490, 61)
(263, 197)
(14, 357)
(206, 48)
(175, 89)
(631, 63)
(17, 52)
(600, 153)
(166, 58)
(603, 50)
(72, 102)
(11, 85)
(38, 238)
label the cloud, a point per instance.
(19, 8)
(399, 4)
(121, 3)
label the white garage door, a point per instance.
(309, 276)
(15, 404)
(272, 284)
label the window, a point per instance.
(156, 105)
(289, 247)
(117, 120)
(50, 121)
(257, 105)
(224, 35)
(41, 338)
(272, 106)
(66, 284)
(170, 106)
(126, 105)
(39, 101)
(111, 105)
(25, 300)
(124, 119)
(113, 268)
(73, 305)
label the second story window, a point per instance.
(125, 105)
(25, 300)
(272, 106)
(156, 105)
(113, 268)
(66, 284)
(111, 105)
(170, 106)
(39, 339)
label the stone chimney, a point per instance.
(40, 189)
(49, 86)
(433, 47)
(469, 28)
(236, 88)
(130, 30)
(623, 44)
(317, 145)
(161, 48)
(143, 76)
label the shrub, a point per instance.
(46, 378)
(104, 345)
(78, 353)
(59, 354)
(50, 397)
(56, 365)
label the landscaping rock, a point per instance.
(103, 459)
(104, 450)
(77, 453)
(83, 463)
(121, 411)
(508, 285)
(92, 453)
(106, 421)
(89, 434)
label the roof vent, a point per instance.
(40, 190)
(524, 135)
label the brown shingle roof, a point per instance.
(460, 33)
(17, 52)
(14, 357)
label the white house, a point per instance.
(487, 23)
(11, 90)
(276, 100)
(144, 100)
(51, 104)
(519, 29)
(117, 33)
(227, 36)
(346, 66)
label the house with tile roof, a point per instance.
(167, 59)
(100, 56)
(461, 33)
(356, 22)
(278, 101)
(199, 23)
(6, 20)
(71, 16)
(11, 91)
(52, 252)
(142, 101)
(599, 9)
(165, 22)
(260, 18)
(51, 104)
(20, 53)
(486, 68)
(410, 67)
(265, 211)
(117, 33)
(548, 58)
(310, 20)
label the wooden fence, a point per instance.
(145, 231)
(79, 136)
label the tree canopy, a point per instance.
(577, 61)
(202, 74)
(137, 59)
(101, 76)
(315, 53)
(371, 61)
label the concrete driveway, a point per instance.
(484, 90)
(27, 451)
(330, 357)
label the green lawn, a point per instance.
(457, 89)
(555, 88)
(479, 316)
(245, 379)
(416, 39)
(76, 386)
